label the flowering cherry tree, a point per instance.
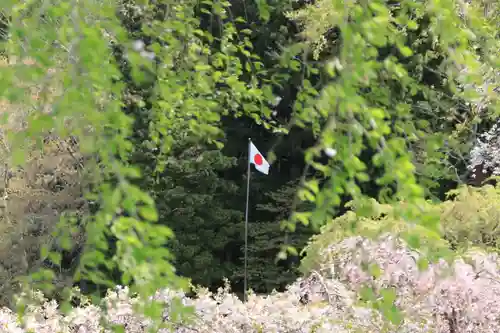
(458, 297)
(486, 152)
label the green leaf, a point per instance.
(149, 213)
(414, 241)
(153, 310)
(422, 264)
(44, 251)
(388, 295)
(367, 294)
(393, 314)
(264, 10)
(375, 271)
(292, 250)
(303, 217)
(412, 25)
(405, 51)
(55, 257)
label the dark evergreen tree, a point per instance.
(198, 205)
(266, 239)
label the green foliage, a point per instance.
(194, 201)
(143, 88)
(75, 40)
(472, 217)
(373, 99)
(468, 219)
(267, 238)
(379, 65)
(187, 181)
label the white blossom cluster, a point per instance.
(486, 152)
(459, 298)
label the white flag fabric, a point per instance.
(258, 160)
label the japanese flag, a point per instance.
(258, 160)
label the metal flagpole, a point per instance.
(246, 225)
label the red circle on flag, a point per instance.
(257, 159)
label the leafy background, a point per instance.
(130, 119)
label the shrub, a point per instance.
(460, 297)
(470, 217)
